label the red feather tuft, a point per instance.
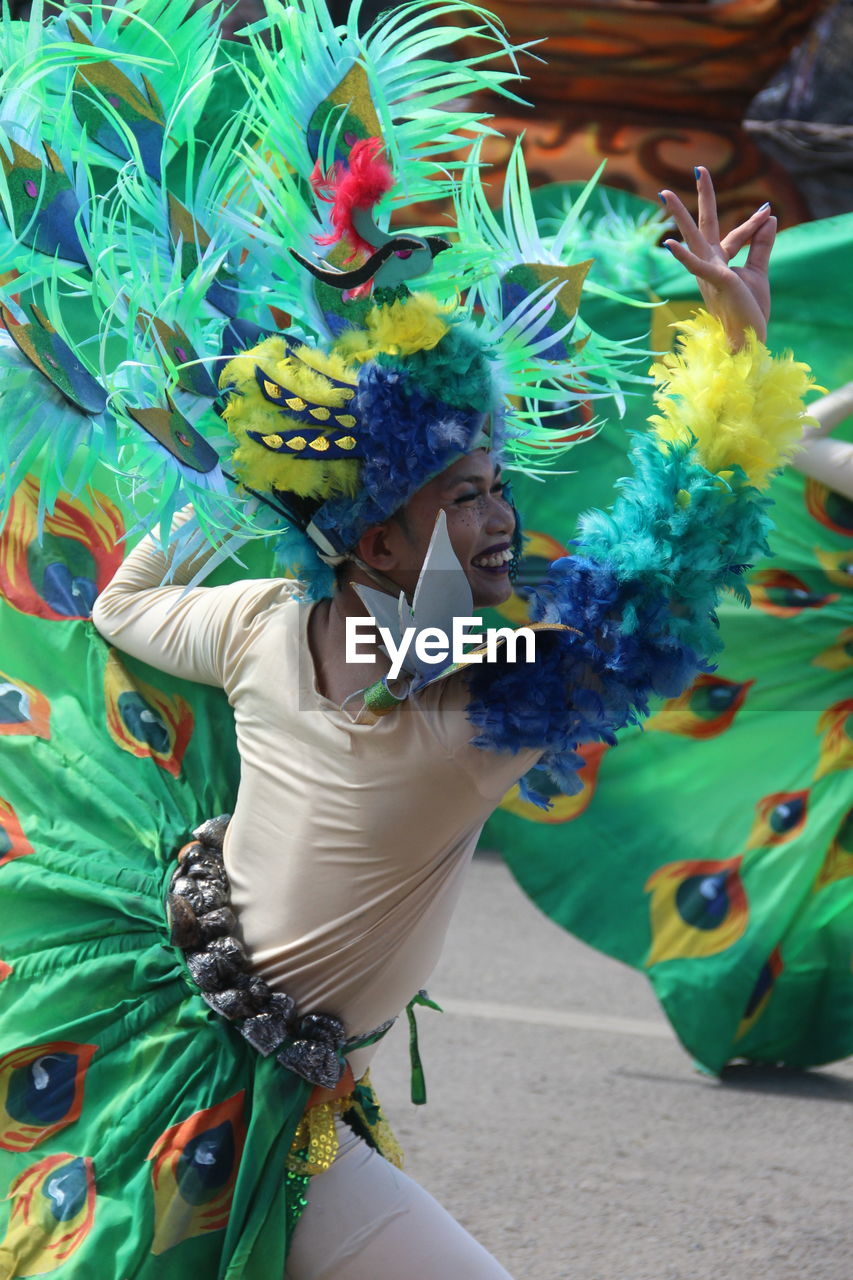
(365, 180)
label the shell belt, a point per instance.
(204, 927)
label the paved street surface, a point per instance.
(567, 1129)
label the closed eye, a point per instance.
(471, 495)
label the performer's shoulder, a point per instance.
(251, 598)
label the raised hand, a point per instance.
(738, 296)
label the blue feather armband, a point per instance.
(642, 590)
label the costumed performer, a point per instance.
(342, 889)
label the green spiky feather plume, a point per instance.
(622, 236)
(418, 98)
(491, 247)
(132, 267)
(174, 46)
(171, 221)
(413, 98)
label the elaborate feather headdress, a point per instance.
(152, 252)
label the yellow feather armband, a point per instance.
(742, 408)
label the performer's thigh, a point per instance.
(366, 1220)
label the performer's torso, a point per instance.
(349, 840)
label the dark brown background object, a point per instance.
(655, 87)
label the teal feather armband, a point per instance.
(641, 590)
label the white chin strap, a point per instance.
(334, 558)
(327, 553)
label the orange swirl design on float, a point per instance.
(144, 721)
(650, 85)
(193, 1172)
(56, 574)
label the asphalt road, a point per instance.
(569, 1132)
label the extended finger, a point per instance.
(758, 257)
(741, 235)
(693, 237)
(708, 222)
(713, 270)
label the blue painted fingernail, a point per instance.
(766, 205)
(661, 197)
(697, 173)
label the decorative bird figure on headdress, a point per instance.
(354, 189)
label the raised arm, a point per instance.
(821, 456)
(739, 297)
(148, 611)
(645, 579)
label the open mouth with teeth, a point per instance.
(496, 560)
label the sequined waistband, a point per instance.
(315, 1143)
(204, 927)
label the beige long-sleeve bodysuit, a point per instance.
(351, 834)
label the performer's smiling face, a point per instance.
(480, 522)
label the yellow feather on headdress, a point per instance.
(742, 408)
(248, 410)
(398, 329)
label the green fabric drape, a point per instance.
(140, 1135)
(713, 849)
